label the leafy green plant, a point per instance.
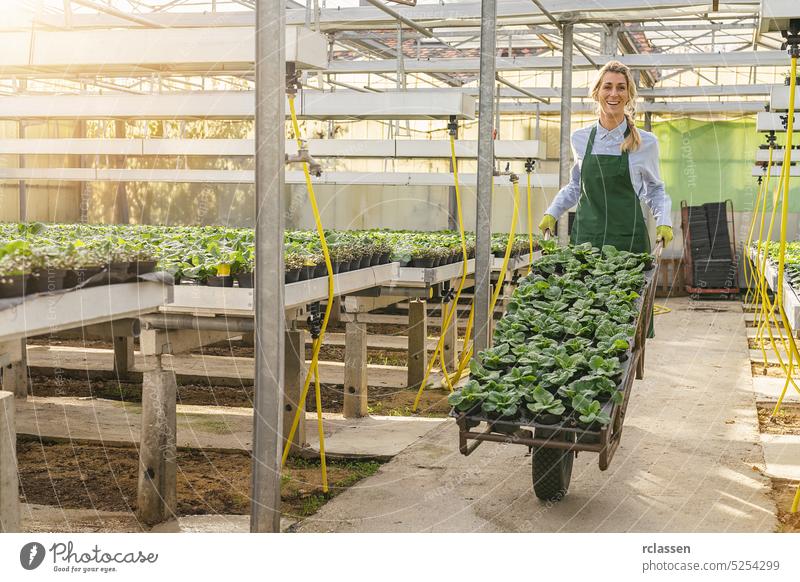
(466, 397)
(502, 403)
(543, 402)
(590, 412)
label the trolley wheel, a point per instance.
(552, 468)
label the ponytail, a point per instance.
(633, 140)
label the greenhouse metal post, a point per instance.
(564, 164)
(483, 230)
(269, 288)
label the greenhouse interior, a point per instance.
(284, 265)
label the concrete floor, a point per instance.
(689, 461)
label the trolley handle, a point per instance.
(659, 248)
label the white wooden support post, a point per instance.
(417, 342)
(449, 348)
(157, 489)
(294, 366)
(9, 484)
(355, 369)
(15, 374)
(123, 355)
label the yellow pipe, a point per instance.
(447, 315)
(793, 353)
(318, 341)
(500, 279)
(530, 224)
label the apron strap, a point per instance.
(590, 143)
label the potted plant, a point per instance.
(546, 408)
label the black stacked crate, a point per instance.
(717, 220)
(714, 266)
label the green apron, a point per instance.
(608, 211)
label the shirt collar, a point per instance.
(618, 131)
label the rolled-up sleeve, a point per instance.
(569, 195)
(654, 194)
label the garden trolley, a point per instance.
(554, 446)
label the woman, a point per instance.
(616, 166)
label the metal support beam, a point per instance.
(265, 513)
(23, 190)
(407, 21)
(122, 213)
(119, 13)
(564, 163)
(483, 227)
(610, 40)
(521, 90)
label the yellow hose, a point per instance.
(784, 186)
(449, 310)
(313, 368)
(530, 225)
(512, 231)
(768, 306)
(765, 319)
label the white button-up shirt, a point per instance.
(643, 164)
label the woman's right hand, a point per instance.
(548, 223)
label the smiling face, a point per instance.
(613, 94)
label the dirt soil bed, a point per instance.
(786, 421)
(783, 492)
(381, 400)
(75, 476)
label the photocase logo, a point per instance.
(31, 555)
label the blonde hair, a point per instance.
(634, 140)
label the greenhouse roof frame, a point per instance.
(168, 48)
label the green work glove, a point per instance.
(664, 233)
(548, 223)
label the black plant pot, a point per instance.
(138, 268)
(375, 259)
(245, 280)
(320, 271)
(292, 276)
(344, 266)
(12, 286)
(45, 280)
(385, 257)
(422, 263)
(217, 281)
(306, 272)
(365, 261)
(546, 418)
(75, 277)
(119, 273)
